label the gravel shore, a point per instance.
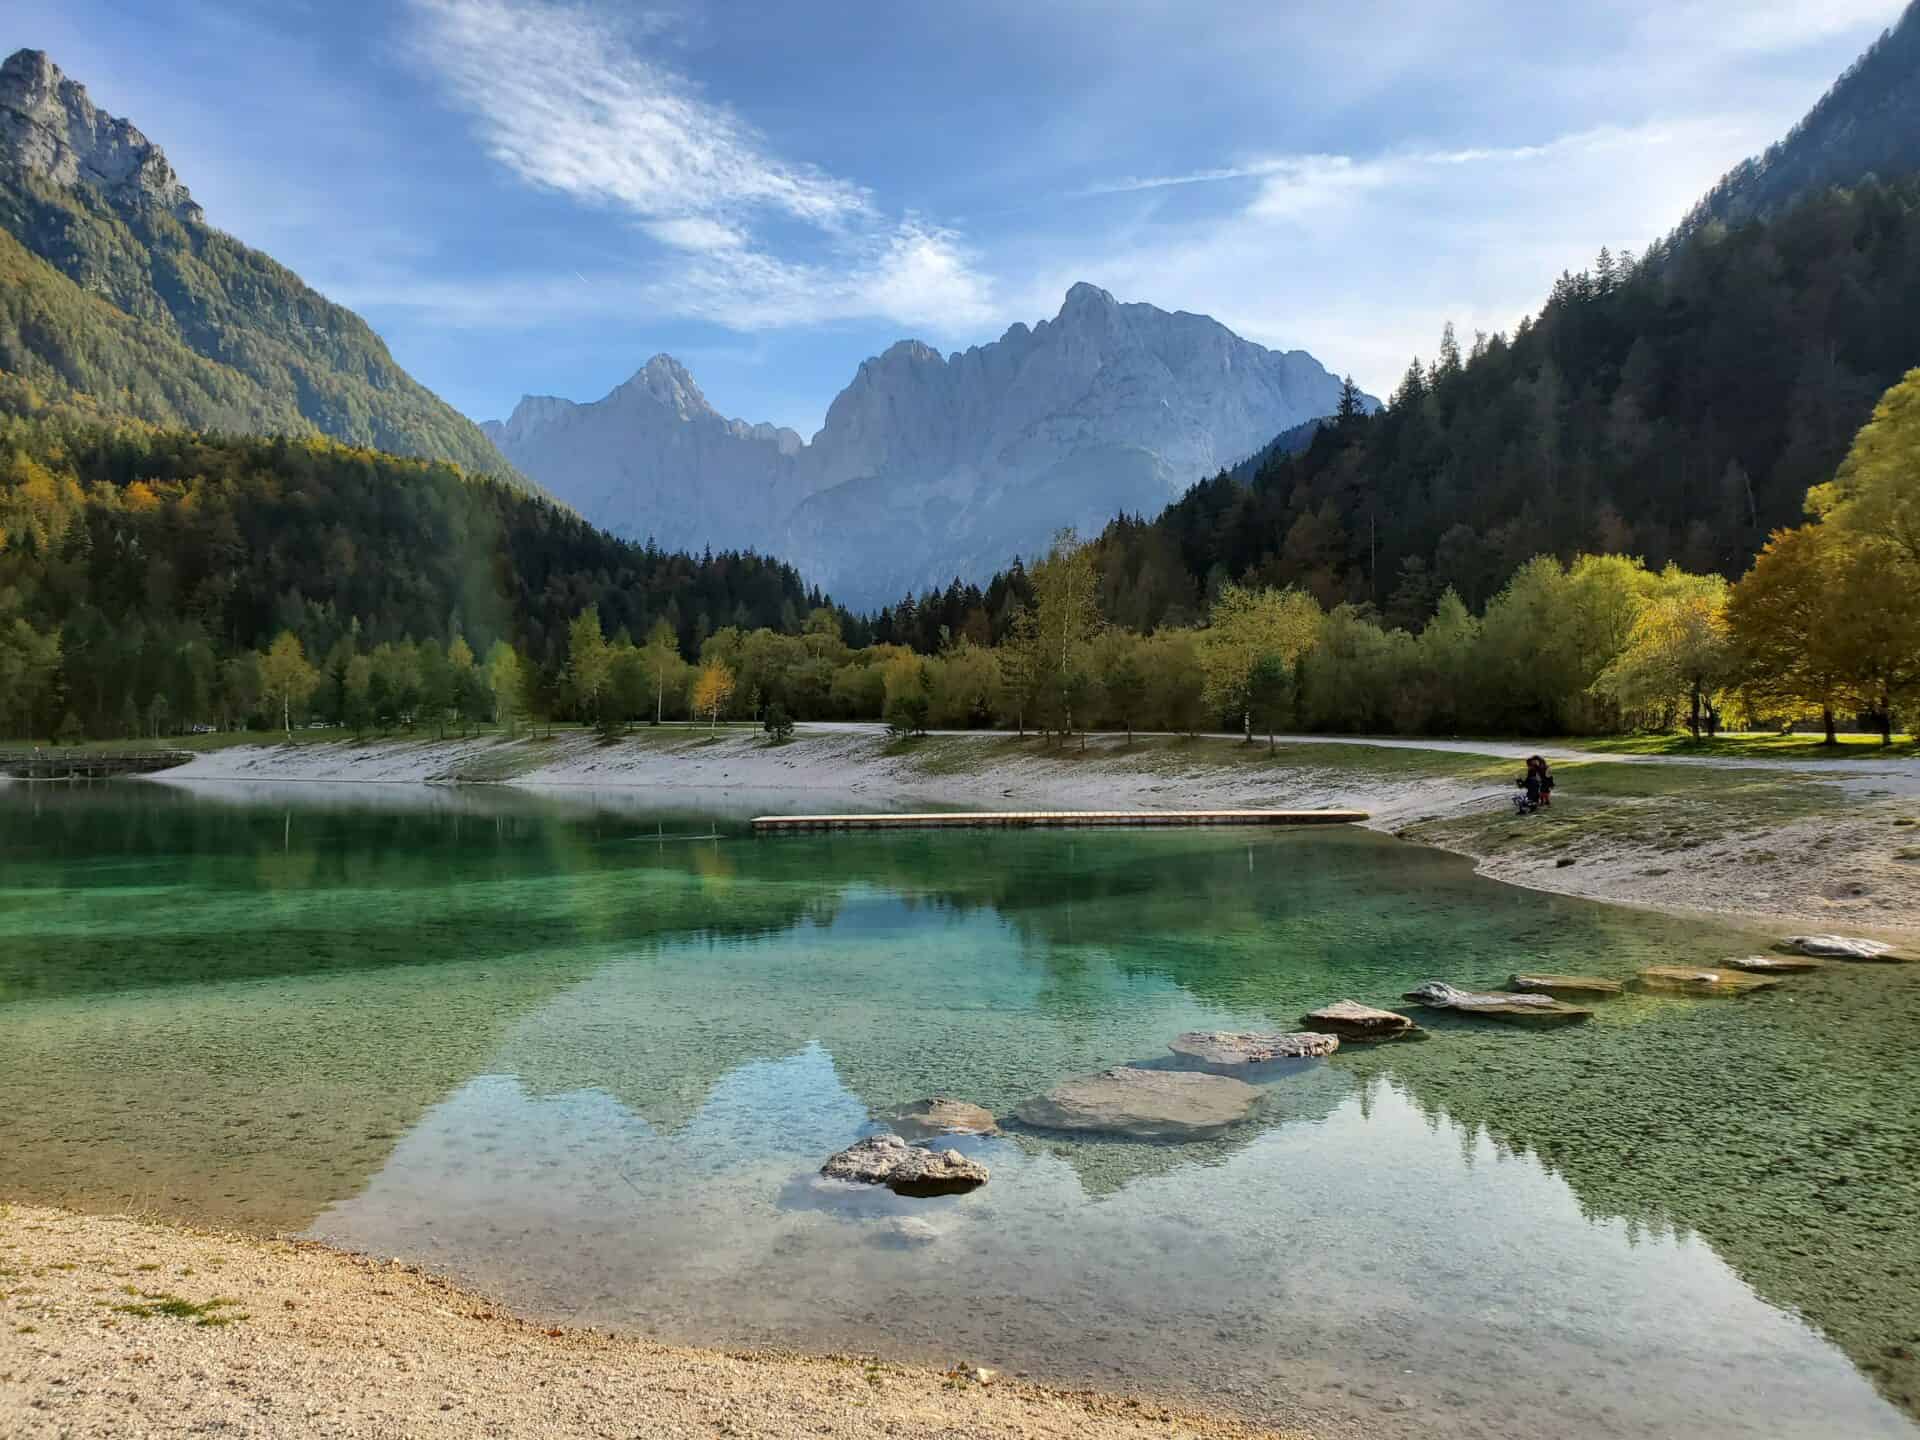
(121, 1328)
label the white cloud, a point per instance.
(566, 102)
(1362, 258)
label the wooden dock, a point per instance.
(1053, 819)
(56, 763)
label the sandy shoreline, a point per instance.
(308, 1341)
(1821, 845)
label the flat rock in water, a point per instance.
(1775, 964)
(1352, 1021)
(1841, 947)
(906, 1169)
(1696, 980)
(1229, 1048)
(941, 1116)
(1142, 1104)
(1564, 985)
(1493, 1005)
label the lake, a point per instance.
(587, 1051)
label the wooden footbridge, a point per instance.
(1052, 819)
(62, 764)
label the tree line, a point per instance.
(146, 575)
(1825, 626)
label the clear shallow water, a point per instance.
(524, 1039)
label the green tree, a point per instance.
(1679, 648)
(287, 678)
(589, 663)
(666, 671)
(1270, 694)
(506, 679)
(356, 688)
(1245, 626)
(1876, 492)
(1123, 679)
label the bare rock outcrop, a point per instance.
(51, 129)
(905, 1169)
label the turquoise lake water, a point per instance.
(552, 1045)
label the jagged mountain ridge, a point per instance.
(931, 465)
(114, 288)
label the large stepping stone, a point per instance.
(1560, 985)
(1538, 1010)
(1232, 1049)
(1142, 1104)
(1351, 1021)
(923, 1119)
(906, 1169)
(1842, 947)
(1775, 964)
(1693, 980)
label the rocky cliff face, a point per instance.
(932, 466)
(50, 128)
(112, 286)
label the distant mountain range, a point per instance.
(930, 466)
(114, 288)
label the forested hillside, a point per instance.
(1867, 124)
(128, 297)
(1676, 407)
(141, 570)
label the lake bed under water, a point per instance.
(550, 1045)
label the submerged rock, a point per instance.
(1684, 980)
(1775, 964)
(1142, 1104)
(906, 1169)
(1352, 1021)
(1231, 1048)
(1492, 1005)
(1841, 947)
(1565, 985)
(941, 1116)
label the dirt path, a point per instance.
(117, 1328)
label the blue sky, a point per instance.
(527, 196)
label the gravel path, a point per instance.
(314, 1343)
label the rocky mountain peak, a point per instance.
(50, 128)
(665, 381)
(1083, 298)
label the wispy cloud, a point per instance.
(570, 102)
(1316, 174)
(1361, 258)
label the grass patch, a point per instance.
(1754, 745)
(217, 1311)
(1602, 809)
